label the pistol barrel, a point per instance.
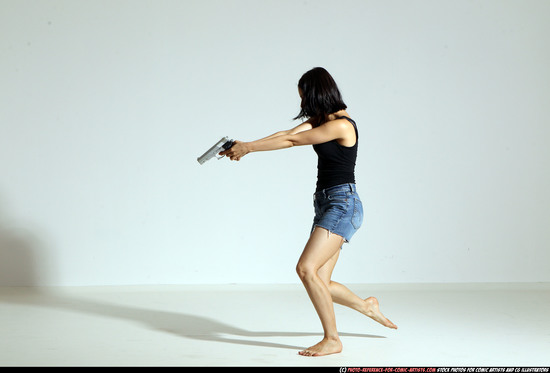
(215, 149)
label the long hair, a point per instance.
(320, 95)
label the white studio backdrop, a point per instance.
(105, 106)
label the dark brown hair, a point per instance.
(320, 95)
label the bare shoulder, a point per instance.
(336, 120)
(344, 128)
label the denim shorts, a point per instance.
(339, 210)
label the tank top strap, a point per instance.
(353, 123)
(349, 119)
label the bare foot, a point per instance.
(325, 347)
(372, 310)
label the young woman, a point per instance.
(338, 209)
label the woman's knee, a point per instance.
(305, 271)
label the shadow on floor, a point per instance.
(181, 324)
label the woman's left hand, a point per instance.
(237, 151)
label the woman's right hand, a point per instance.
(237, 151)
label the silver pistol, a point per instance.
(224, 144)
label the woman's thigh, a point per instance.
(321, 249)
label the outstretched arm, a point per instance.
(299, 128)
(303, 134)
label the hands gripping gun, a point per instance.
(220, 146)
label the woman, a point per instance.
(338, 209)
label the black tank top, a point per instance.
(336, 163)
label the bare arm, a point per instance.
(303, 134)
(299, 128)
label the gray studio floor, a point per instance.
(266, 325)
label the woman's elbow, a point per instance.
(298, 141)
(293, 141)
